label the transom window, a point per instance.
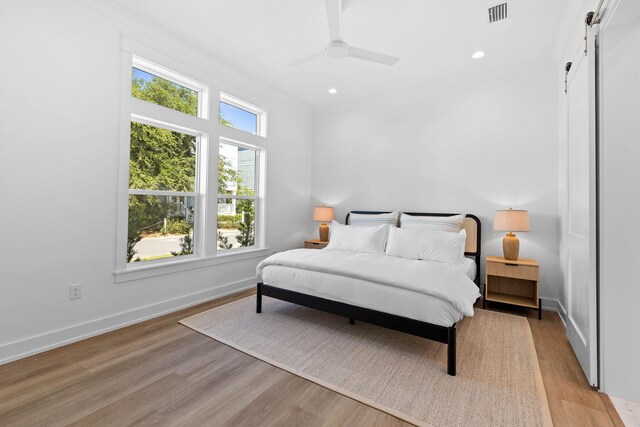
(149, 87)
(241, 115)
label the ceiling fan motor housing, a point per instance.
(338, 48)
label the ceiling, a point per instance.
(433, 39)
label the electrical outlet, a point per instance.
(75, 291)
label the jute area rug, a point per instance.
(498, 380)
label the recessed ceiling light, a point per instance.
(333, 91)
(477, 55)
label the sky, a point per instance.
(239, 118)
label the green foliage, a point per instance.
(177, 226)
(247, 224)
(161, 159)
(229, 222)
(133, 237)
(225, 122)
(165, 93)
(247, 232)
(143, 214)
(227, 176)
(223, 241)
(146, 213)
(186, 246)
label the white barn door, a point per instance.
(580, 226)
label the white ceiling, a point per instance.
(434, 39)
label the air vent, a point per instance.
(498, 13)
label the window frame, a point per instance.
(209, 133)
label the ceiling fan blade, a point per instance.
(369, 55)
(308, 58)
(334, 14)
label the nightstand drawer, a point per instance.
(516, 271)
(315, 244)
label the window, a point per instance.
(152, 88)
(236, 195)
(162, 193)
(173, 208)
(241, 115)
(164, 177)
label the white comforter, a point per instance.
(436, 279)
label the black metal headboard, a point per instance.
(475, 255)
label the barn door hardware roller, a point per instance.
(592, 18)
(567, 67)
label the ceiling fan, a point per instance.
(338, 48)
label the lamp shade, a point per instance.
(511, 220)
(322, 213)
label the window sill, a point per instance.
(151, 270)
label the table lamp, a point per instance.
(323, 214)
(511, 220)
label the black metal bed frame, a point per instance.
(442, 334)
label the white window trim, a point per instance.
(188, 262)
(208, 130)
(138, 192)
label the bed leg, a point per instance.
(259, 298)
(451, 351)
(352, 321)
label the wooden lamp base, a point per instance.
(324, 232)
(510, 247)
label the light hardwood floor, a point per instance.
(160, 372)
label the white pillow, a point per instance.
(435, 223)
(441, 246)
(370, 220)
(358, 239)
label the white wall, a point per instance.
(60, 68)
(472, 145)
(620, 204)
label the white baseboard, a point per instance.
(555, 305)
(550, 304)
(563, 313)
(37, 344)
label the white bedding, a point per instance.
(469, 268)
(380, 282)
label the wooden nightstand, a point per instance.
(315, 244)
(512, 282)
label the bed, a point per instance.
(357, 294)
